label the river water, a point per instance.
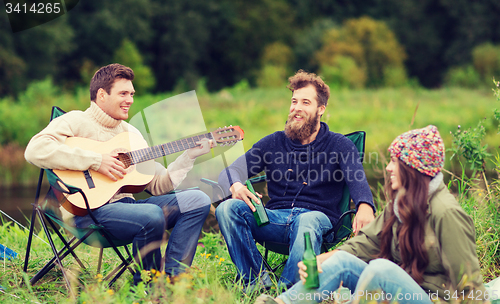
(17, 202)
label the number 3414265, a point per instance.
(35, 8)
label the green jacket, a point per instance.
(450, 243)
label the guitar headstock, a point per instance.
(228, 135)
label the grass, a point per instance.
(383, 114)
(212, 277)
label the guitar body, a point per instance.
(103, 188)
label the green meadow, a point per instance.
(383, 113)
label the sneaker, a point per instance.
(265, 299)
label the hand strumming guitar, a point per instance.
(111, 167)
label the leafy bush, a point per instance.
(129, 55)
(272, 76)
(344, 73)
(371, 44)
(309, 42)
(486, 60)
(395, 76)
(276, 62)
(466, 77)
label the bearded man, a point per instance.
(306, 168)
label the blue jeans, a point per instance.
(143, 222)
(239, 228)
(359, 277)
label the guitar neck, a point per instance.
(142, 155)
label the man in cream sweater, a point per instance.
(141, 221)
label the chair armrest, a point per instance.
(339, 223)
(219, 195)
(210, 182)
(58, 184)
(337, 226)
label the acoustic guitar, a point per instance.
(138, 158)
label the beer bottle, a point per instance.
(260, 213)
(309, 259)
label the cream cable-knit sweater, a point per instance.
(46, 149)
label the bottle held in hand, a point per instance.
(260, 213)
(309, 259)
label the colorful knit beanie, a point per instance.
(421, 149)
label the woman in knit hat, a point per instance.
(420, 248)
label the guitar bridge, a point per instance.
(88, 178)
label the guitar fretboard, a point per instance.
(142, 155)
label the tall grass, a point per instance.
(212, 277)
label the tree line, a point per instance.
(225, 41)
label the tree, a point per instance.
(99, 29)
(276, 62)
(371, 44)
(12, 66)
(129, 55)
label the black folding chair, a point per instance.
(95, 235)
(341, 231)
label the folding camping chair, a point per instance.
(342, 229)
(95, 235)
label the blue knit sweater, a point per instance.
(309, 176)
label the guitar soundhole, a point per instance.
(126, 160)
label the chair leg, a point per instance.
(66, 245)
(129, 258)
(266, 263)
(56, 255)
(64, 252)
(125, 262)
(33, 219)
(99, 263)
(264, 260)
(119, 271)
(121, 268)
(30, 238)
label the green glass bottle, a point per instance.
(260, 213)
(309, 259)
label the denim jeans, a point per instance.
(239, 228)
(144, 221)
(359, 277)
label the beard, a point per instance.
(301, 130)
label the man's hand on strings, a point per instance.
(203, 147)
(112, 167)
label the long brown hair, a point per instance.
(412, 205)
